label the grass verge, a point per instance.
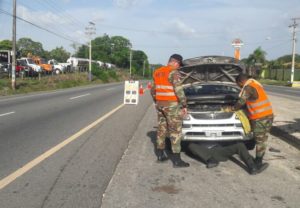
(61, 81)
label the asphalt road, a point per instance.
(150, 184)
(77, 174)
(286, 92)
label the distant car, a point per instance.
(28, 70)
(32, 64)
(57, 67)
(209, 85)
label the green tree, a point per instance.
(258, 56)
(140, 62)
(59, 54)
(26, 46)
(82, 52)
(6, 45)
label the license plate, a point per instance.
(213, 133)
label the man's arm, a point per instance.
(248, 93)
(174, 78)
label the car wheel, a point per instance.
(57, 71)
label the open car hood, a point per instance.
(210, 69)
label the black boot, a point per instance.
(161, 155)
(258, 160)
(256, 169)
(211, 163)
(178, 163)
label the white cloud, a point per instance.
(125, 3)
(180, 29)
(40, 17)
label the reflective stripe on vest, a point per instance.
(261, 107)
(164, 90)
(164, 87)
(165, 93)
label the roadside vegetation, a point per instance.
(61, 81)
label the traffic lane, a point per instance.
(28, 134)
(151, 184)
(77, 175)
(286, 91)
(11, 101)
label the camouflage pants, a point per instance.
(260, 129)
(169, 124)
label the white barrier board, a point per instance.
(131, 92)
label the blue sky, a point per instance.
(162, 27)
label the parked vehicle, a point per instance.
(80, 64)
(32, 64)
(57, 67)
(28, 70)
(48, 68)
(209, 86)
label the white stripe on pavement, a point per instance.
(79, 96)
(110, 88)
(13, 176)
(4, 114)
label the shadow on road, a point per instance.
(284, 132)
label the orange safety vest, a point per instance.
(261, 107)
(164, 90)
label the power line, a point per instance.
(39, 27)
(45, 24)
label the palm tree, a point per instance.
(258, 56)
(255, 61)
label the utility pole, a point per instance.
(144, 68)
(14, 34)
(90, 31)
(294, 26)
(130, 60)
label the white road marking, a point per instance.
(4, 114)
(80, 96)
(13, 176)
(110, 88)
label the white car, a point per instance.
(57, 67)
(31, 63)
(209, 85)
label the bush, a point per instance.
(113, 75)
(100, 74)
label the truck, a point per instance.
(59, 68)
(32, 64)
(48, 68)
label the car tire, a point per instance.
(57, 71)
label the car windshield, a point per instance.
(196, 90)
(21, 62)
(43, 61)
(30, 61)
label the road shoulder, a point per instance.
(139, 181)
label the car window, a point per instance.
(210, 90)
(30, 61)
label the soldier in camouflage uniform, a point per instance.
(259, 112)
(170, 102)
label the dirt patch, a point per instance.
(169, 189)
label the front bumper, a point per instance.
(228, 129)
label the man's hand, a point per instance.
(184, 112)
(227, 109)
